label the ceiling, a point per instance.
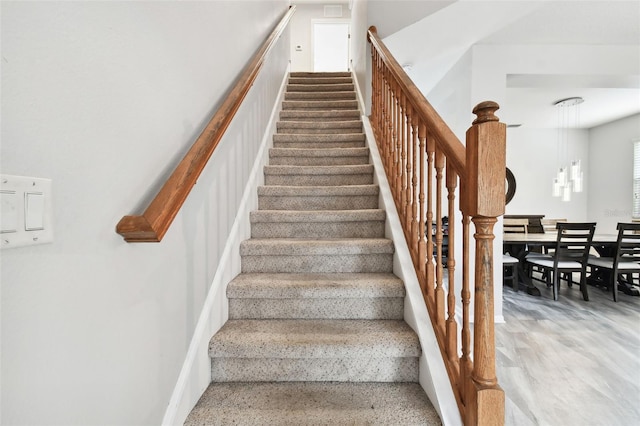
(530, 98)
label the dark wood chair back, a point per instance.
(628, 243)
(623, 261)
(573, 241)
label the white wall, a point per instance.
(532, 153)
(532, 156)
(301, 32)
(611, 172)
(390, 16)
(104, 98)
(360, 53)
(451, 97)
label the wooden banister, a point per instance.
(422, 159)
(450, 144)
(156, 219)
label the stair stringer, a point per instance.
(195, 375)
(433, 374)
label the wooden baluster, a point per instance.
(384, 112)
(431, 147)
(375, 93)
(409, 175)
(397, 128)
(451, 325)
(401, 153)
(422, 245)
(373, 90)
(399, 147)
(374, 79)
(403, 171)
(485, 202)
(414, 182)
(439, 295)
(386, 124)
(396, 158)
(381, 98)
(466, 365)
(392, 141)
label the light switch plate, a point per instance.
(26, 214)
(9, 214)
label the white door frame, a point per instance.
(330, 21)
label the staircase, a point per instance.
(316, 332)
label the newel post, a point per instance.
(484, 201)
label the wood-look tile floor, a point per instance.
(569, 362)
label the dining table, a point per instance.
(520, 244)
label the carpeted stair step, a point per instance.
(316, 296)
(318, 156)
(340, 140)
(326, 115)
(321, 105)
(283, 255)
(320, 80)
(314, 403)
(310, 96)
(318, 175)
(315, 350)
(318, 224)
(318, 197)
(330, 74)
(341, 87)
(323, 127)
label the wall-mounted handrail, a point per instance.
(432, 175)
(156, 219)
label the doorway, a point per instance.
(330, 46)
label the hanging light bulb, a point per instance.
(562, 176)
(576, 170)
(557, 188)
(566, 192)
(577, 183)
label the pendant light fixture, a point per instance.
(569, 178)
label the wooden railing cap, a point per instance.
(372, 29)
(486, 112)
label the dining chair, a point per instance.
(509, 263)
(549, 225)
(517, 226)
(624, 261)
(510, 270)
(573, 242)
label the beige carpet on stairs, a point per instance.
(316, 334)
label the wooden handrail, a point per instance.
(431, 174)
(451, 145)
(156, 219)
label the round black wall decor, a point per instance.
(511, 186)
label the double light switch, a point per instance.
(25, 217)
